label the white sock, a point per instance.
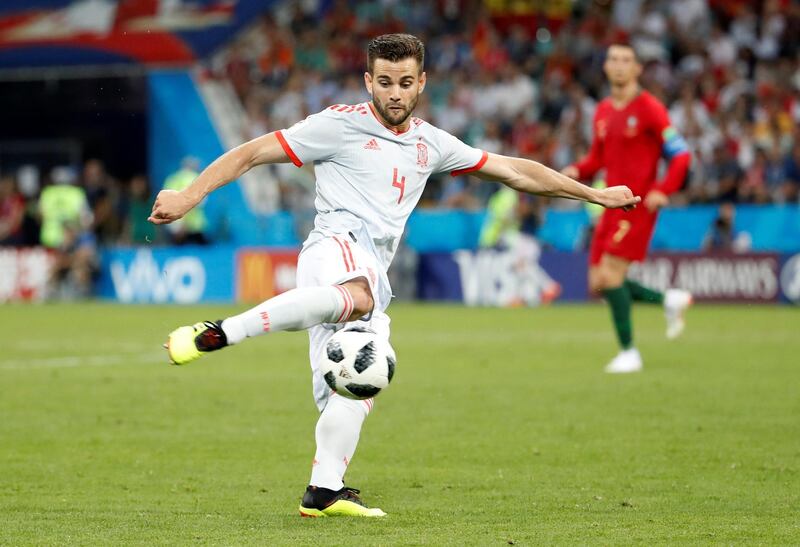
(296, 309)
(337, 433)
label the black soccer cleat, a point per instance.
(323, 502)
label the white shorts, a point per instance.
(334, 260)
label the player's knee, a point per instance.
(595, 281)
(362, 297)
(601, 281)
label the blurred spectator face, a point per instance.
(139, 188)
(7, 186)
(687, 92)
(63, 175)
(621, 66)
(93, 172)
(395, 88)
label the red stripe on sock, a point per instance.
(344, 308)
(344, 254)
(265, 321)
(348, 303)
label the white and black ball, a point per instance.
(358, 364)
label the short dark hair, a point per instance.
(628, 45)
(394, 48)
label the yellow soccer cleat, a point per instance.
(185, 344)
(322, 502)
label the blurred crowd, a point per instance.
(73, 212)
(522, 82)
(524, 79)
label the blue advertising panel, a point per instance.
(571, 271)
(494, 277)
(713, 277)
(188, 275)
(182, 275)
(438, 277)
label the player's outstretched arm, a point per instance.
(171, 205)
(534, 178)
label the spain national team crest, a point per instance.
(422, 154)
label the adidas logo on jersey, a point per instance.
(372, 145)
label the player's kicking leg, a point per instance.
(296, 309)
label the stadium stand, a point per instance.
(508, 77)
(530, 88)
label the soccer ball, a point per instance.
(358, 364)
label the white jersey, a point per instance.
(369, 177)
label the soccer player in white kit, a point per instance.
(371, 163)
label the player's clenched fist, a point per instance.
(170, 205)
(618, 197)
(655, 200)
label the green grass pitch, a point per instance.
(499, 427)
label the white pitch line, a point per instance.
(36, 346)
(70, 361)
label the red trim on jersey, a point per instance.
(476, 167)
(350, 253)
(369, 404)
(288, 149)
(395, 131)
(344, 254)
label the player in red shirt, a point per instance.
(632, 131)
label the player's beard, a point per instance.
(392, 117)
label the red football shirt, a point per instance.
(628, 143)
